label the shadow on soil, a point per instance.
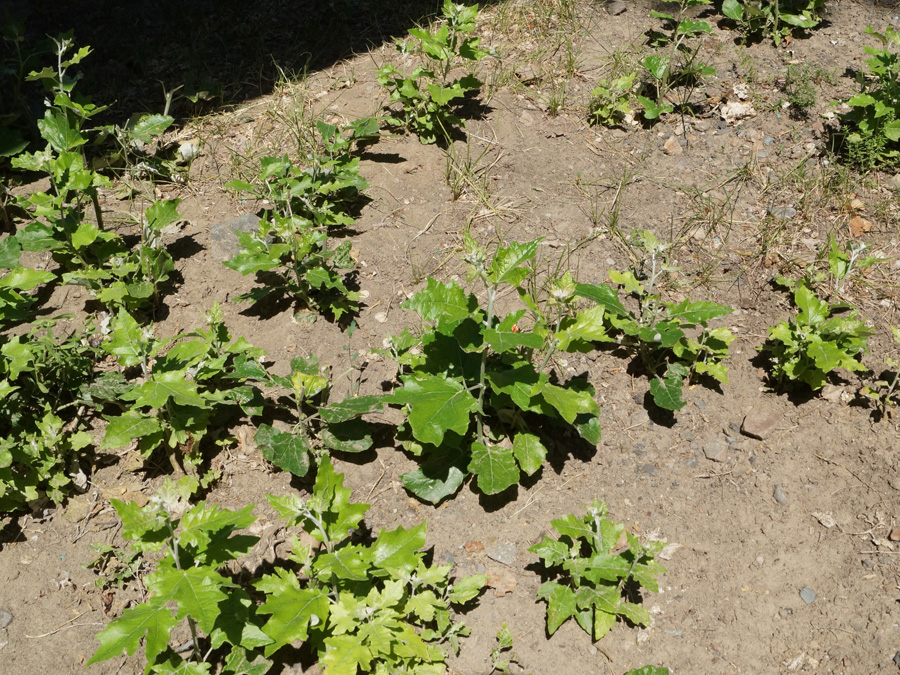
(220, 51)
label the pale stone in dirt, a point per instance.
(672, 147)
(760, 422)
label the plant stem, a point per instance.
(175, 556)
(488, 320)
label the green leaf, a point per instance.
(333, 500)
(173, 386)
(560, 604)
(667, 392)
(396, 549)
(733, 9)
(56, 130)
(123, 429)
(285, 450)
(553, 552)
(494, 466)
(239, 663)
(568, 402)
(162, 212)
(350, 408)
(697, 312)
(436, 405)
(529, 452)
(572, 527)
(293, 611)
(654, 670)
(438, 477)
(447, 302)
(351, 436)
(506, 267)
(126, 340)
(151, 619)
(588, 326)
(148, 126)
(466, 589)
(505, 341)
(197, 590)
(346, 655)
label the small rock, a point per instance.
(503, 553)
(894, 482)
(857, 623)
(869, 563)
(783, 212)
(672, 147)
(807, 595)
(715, 450)
(897, 659)
(5, 618)
(760, 422)
(649, 469)
(778, 494)
(616, 7)
(894, 182)
(895, 534)
(223, 241)
(831, 393)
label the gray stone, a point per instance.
(223, 241)
(616, 7)
(503, 553)
(858, 624)
(894, 181)
(783, 212)
(715, 450)
(760, 422)
(778, 495)
(807, 595)
(649, 469)
(5, 618)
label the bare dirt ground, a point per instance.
(809, 506)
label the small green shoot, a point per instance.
(815, 343)
(592, 561)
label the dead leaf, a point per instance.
(668, 551)
(474, 547)
(859, 226)
(502, 581)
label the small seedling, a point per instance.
(592, 561)
(319, 426)
(191, 383)
(611, 101)
(672, 340)
(503, 655)
(776, 19)
(427, 94)
(815, 343)
(649, 670)
(870, 132)
(884, 393)
(291, 243)
(678, 65)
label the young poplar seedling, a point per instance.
(884, 392)
(672, 340)
(774, 18)
(373, 607)
(815, 343)
(291, 243)
(188, 587)
(190, 384)
(320, 426)
(427, 94)
(475, 401)
(591, 561)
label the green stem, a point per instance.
(488, 321)
(175, 555)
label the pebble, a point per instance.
(783, 212)
(672, 147)
(807, 595)
(503, 553)
(778, 494)
(616, 7)
(760, 422)
(857, 623)
(648, 469)
(5, 618)
(894, 181)
(715, 450)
